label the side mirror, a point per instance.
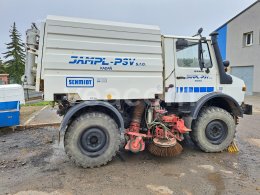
(226, 63)
(199, 32)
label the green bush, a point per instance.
(42, 103)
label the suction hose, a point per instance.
(137, 116)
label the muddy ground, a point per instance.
(32, 162)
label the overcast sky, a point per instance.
(178, 17)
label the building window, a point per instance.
(248, 39)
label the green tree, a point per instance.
(2, 68)
(15, 56)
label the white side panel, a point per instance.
(169, 61)
(101, 60)
(40, 52)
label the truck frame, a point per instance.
(127, 85)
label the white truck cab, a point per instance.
(189, 81)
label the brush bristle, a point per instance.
(165, 151)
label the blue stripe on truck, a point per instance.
(194, 89)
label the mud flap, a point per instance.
(247, 109)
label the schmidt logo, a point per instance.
(79, 82)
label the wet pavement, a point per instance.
(32, 162)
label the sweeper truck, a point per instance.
(121, 85)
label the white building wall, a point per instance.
(237, 53)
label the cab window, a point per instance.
(187, 55)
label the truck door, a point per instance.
(191, 82)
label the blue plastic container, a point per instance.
(9, 113)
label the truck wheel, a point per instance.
(92, 140)
(214, 130)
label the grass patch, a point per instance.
(43, 103)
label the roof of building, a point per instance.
(238, 14)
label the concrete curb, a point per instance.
(31, 126)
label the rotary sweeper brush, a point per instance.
(162, 129)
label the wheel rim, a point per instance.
(216, 132)
(93, 141)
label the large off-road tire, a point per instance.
(92, 140)
(214, 129)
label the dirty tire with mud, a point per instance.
(92, 140)
(214, 129)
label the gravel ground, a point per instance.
(32, 162)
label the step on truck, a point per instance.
(121, 85)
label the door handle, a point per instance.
(180, 77)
